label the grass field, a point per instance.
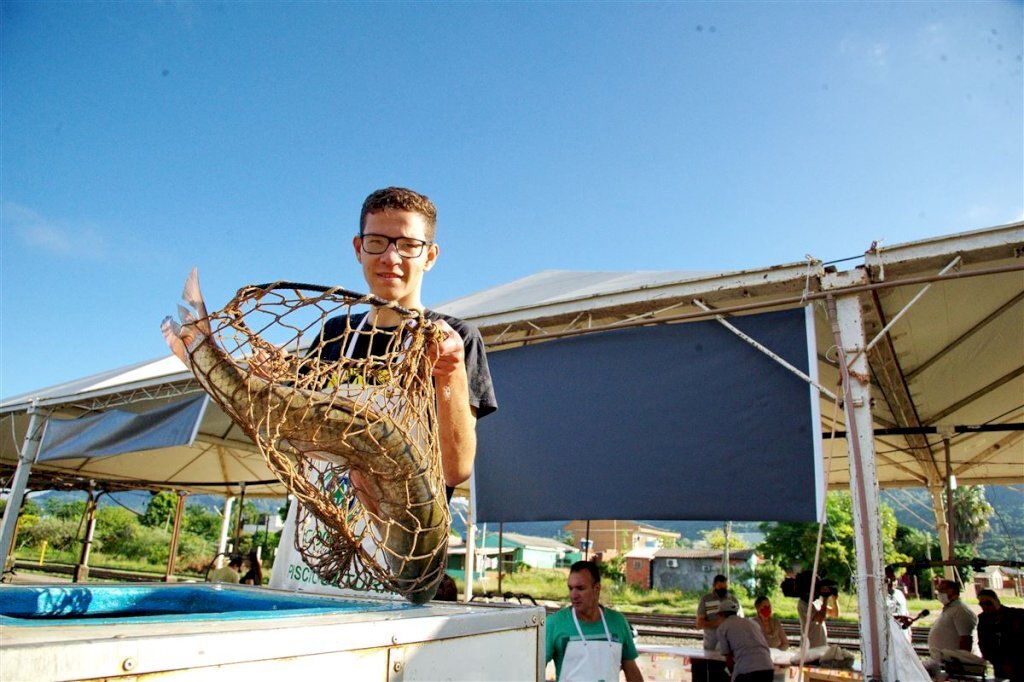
(549, 585)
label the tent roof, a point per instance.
(955, 358)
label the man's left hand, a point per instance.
(449, 353)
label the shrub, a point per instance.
(767, 578)
(58, 533)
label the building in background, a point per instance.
(692, 570)
(610, 537)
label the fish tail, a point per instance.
(194, 324)
(172, 334)
(194, 297)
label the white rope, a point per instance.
(811, 260)
(817, 548)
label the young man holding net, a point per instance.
(396, 247)
(367, 425)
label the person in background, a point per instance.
(447, 590)
(254, 576)
(586, 640)
(709, 619)
(227, 574)
(896, 602)
(1001, 636)
(743, 645)
(954, 628)
(817, 632)
(771, 626)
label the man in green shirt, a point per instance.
(586, 640)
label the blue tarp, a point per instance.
(669, 422)
(116, 432)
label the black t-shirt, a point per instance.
(481, 389)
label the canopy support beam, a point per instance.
(225, 523)
(29, 451)
(82, 569)
(470, 542)
(877, 659)
(179, 512)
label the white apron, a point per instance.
(591, 661)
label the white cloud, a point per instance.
(874, 54)
(39, 233)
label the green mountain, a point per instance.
(1005, 537)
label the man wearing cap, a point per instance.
(709, 619)
(743, 645)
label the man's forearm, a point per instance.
(456, 425)
(632, 671)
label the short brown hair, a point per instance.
(400, 199)
(587, 567)
(950, 585)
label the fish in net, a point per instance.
(353, 438)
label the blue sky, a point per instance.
(140, 139)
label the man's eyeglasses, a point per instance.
(407, 247)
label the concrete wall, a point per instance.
(691, 575)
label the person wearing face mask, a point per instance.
(708, 618)
(954, 628)
(771, 626)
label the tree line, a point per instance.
(126, 538)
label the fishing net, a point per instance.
(343, 411)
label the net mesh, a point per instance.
(343, 411)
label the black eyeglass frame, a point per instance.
(418, 244)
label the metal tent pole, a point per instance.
(501, 555)
(225, 523)
(725, 551)
(950, 517)
(237, 539)
(82, 569)
(470, 542)
(877, 660)
(29, 451)
(179, 512)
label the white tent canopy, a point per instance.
(953, 359)
(932, 333)
(218, 461)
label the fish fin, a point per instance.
(172, 334)
(186, 316)
(194, 297)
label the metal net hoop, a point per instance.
(343, 411)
